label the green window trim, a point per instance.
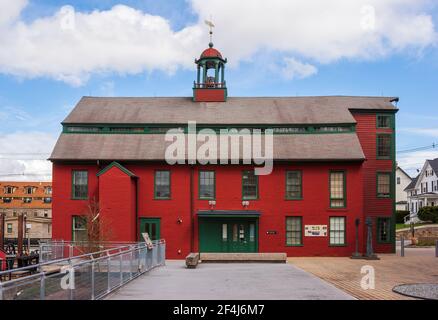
(387, 223)
(338, 231)
(389, 116)
(390, 152)
(300, 177)
(344, 192)
(74, 229)
(105, 128)
(251, 197)
(213, 197)
(74, 195)
(380, 194)
(169, 185)
(300, 231)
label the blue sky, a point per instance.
(267, 57)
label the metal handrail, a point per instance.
(57, 261)
(139, 258)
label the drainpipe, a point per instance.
(136, 210)
(192, 214)
(2, 230)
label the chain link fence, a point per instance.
(86, 276)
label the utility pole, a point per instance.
(2, 230)
(20, 234)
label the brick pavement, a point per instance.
(418, 266)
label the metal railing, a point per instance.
(89, 276)
(59, 249)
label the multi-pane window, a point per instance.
(48, 190)
(249, 185)
(384, 146)
(337, 231)
(294, 235)
(384, 121)
(383, 184)
(384, 230)
(7, 200)
(9, 227)
(337, 189)
(47, 200)
(207, 184)
(80, 184)
(79, 228)
(162, 184)
(9, 190)
(28, 190)
(27, 200)
(398, 180)
(293, 185)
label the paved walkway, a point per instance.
(418, 266)
(228, 281)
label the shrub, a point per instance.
(428, 214)
(399, 215)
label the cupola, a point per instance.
(210, 85)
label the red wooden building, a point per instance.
(334, 163)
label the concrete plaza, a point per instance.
(229, 281)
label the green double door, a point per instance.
(151, 226)
(228, 235)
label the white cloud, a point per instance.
(412, 161)
(23, 156)
(70, 46)
(432, 132)
(296, 69)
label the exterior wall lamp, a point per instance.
(245, 204)
(179, 220)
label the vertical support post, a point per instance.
(198, 76)
(130, 265)
(70, 250)
(436, 248)
(402, 246)
(109, 274)
(92, 280)
(222, 74)
(20, 234)
(121, 267)
(216, 73)
(43, 286)
(204, 80)
(1, 291)
(2, 230)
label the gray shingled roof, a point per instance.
(251, 110)
(344, 146)
(434, 164)
(411, 185)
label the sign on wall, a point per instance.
(315, 230)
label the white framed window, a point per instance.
(337, 231)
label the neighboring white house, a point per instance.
(402, 180)
(423, 190)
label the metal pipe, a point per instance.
(436, 248)
(402, 246)
(20, 235)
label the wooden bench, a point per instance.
(192, 260)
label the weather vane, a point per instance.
(211, 25)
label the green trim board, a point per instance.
(117, 165)
(100, 128)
